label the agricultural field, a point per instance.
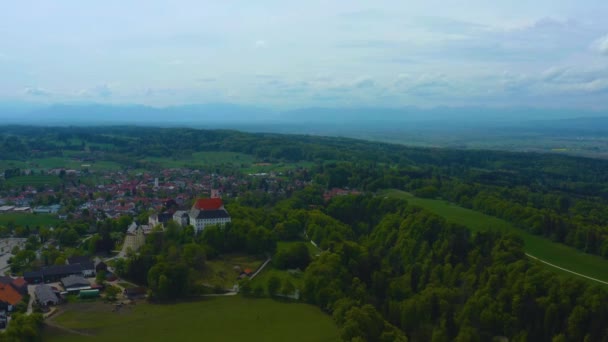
(231, 318)
(31, 220)
(34, 180)
(204, 159)
(542, 248)
(60, 162)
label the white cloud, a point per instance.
(601, 45)
(35, 91)
(260, 43)
(100, 91)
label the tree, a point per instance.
(100, 278)
(24, 328)
(274, 283)
(112, 292)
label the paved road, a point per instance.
(30, 291)
(261, 268)
(564, 269)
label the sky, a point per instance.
(289, 54)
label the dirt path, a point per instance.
(71, 331)
(566, 270)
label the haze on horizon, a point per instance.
(281, 54)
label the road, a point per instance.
(566, 270)
(30, 291)
(261, 268)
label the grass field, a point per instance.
(59, 162)
(204, 159)
(269, 271)
(542, 248)
(221, 271)
(33, 180)
(214, 319)
(31, 220)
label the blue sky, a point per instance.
(307, 53)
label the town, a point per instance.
(146, 201)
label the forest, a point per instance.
(388, 271)
(559, 197)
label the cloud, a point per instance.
(101, 91)
(206, 80)
(364, 83)
(35, 91)
(260, 43)
(601, 45)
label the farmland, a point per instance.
(34, 180)
(555, 253)
(214, 319)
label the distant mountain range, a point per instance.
(305, 119)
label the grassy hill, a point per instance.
(213, 319)
(542, 248)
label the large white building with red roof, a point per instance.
(206, 212)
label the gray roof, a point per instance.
(45, 294)
(212, 214)
(74, 281)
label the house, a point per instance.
(45, 296)
(88, 267)
(9, 297)
(56, 272)
(207, 212)
(101, 267)
(18, 284)
(161, 219)
(181, 217)
(33, 277)
(135, 292)
(75, 283)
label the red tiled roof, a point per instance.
(19, 281)
(208, 203)
(9, 295)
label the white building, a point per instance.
(206, 212)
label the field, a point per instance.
(221, 271)
(34, 180)
(31, 220)
(552, 252)
(205, 159)
(269, 271)
(59, 162)
(214, 319)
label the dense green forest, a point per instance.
(561, 198)
(388, 271)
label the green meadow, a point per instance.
(212, 319)
(540, 247)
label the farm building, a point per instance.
(56, 272)
(75, 283)
(45, 295)
(88, 294)
(135, 292)
(88, 267)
